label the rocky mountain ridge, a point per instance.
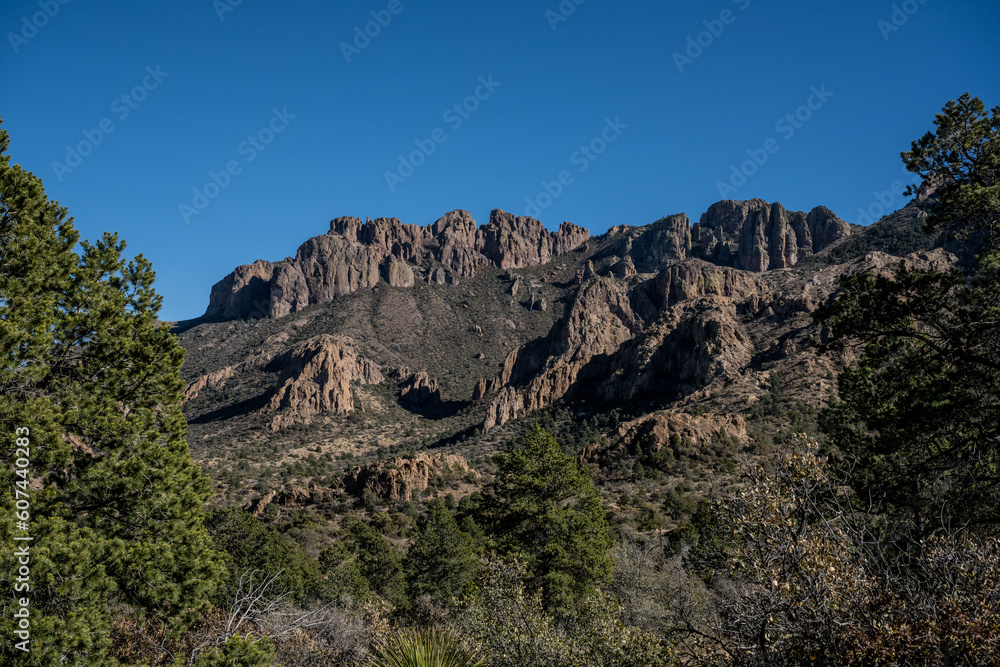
(355, 254)
(751, 235)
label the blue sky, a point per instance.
(593, 94)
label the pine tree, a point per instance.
(379, 563)
(441, 562)
(544, 508)
(343, 574)
(918, 414)
(91, 381)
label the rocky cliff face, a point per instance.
(649, 248)
(599, 321)
(354, 255)
(421, 390)
(660, 312)
(757, 236)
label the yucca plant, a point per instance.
(422, 648)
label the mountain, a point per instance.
(382, 338)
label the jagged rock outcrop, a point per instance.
(507, 406)
(651, 433)
(354, 255)
(397, 478)
(826, 228)
(665, 241)
(514, 242)
(325, 267)
(211, 380)
(691, 345)
(397, 273)
(316, 377)
(246, 292)
(650, 248)
(485, 387)
(758, 236)
(421, 390)
(624, 268)
(728, 215)
(691, 279)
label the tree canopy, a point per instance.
(441, 562)
(543, 508)
(918, 416)
(91, 379)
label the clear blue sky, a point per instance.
(220, 81)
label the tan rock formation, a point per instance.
(757, 236)
(514, 242)
(421, 390)
(694, 336)
(691, 345)
(598, 322)
(397, 478)
(651, 433)
(485, 387)
(397, 273)
(245, 292)
(316, 378)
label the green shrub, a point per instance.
(511, 624)
(240, 652)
